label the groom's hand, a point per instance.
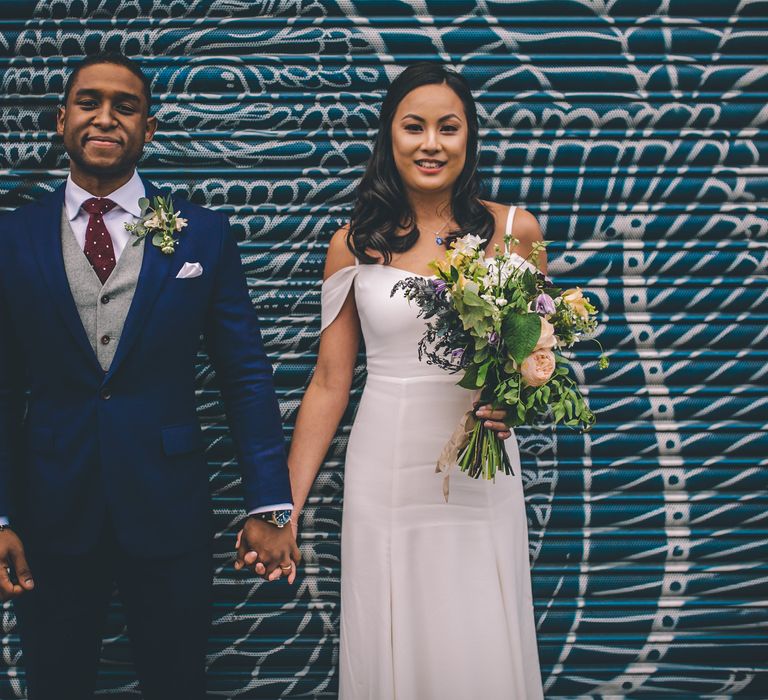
(268, 549)
(12, 557)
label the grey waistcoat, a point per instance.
(102, 309)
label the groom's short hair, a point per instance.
(116, 58)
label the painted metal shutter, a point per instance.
(635, 131)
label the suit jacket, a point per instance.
(78, 444)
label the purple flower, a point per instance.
(493, 337)
(544, 304)
(457, 354)
(440, 287)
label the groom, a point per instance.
(103, 479)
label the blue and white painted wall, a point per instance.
(636, 131)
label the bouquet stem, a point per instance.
(484, 454)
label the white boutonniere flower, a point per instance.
(161, 221)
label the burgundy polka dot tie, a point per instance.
(98, 243)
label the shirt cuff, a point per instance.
(267, 509)
(4, 520)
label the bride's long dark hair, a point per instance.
(382, 205)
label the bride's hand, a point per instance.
(494, 420)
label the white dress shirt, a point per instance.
(127, 211)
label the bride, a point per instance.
(436, 597)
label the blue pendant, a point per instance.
(439, 240)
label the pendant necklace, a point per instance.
(438, 238)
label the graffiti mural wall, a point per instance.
(637, 132)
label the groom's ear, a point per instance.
(150, 129)
(60, 114)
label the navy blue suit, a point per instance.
(121, 452)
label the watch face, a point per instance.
(282, 517)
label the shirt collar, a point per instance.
(126, 197)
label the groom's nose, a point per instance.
(104, 117)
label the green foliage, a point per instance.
(520, 332)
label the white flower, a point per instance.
(466, 245)
(488, 297)
(501, 301)
(154, 222)
(180, 222)
(492, 265)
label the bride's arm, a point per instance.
(327, 396)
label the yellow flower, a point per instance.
(577, 301)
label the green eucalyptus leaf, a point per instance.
(157, 239)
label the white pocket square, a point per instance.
(190, 269)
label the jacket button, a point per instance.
(105, 339)
(105, 394)
(106, 299)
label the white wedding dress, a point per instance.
(436, 597)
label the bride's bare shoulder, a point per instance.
(339, 255)
(525, 228)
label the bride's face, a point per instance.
(429, 138)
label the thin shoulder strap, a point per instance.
(510, 221)
(508, 227)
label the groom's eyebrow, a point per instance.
(126, 96)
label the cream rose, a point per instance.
(547, 338)
(538, 367)
(154, 222)
(576, 300)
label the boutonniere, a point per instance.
(161, 221)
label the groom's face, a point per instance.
(105, 122)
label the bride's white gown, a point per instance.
(435, 597)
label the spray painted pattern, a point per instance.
(636, 132)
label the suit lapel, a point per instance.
(155, 268)
(46, 244)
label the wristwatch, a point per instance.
(280, 518)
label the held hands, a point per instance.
(494, 420)
(12, 556)
(268, 550)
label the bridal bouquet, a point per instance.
(503, 324)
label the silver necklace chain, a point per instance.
(438, 238)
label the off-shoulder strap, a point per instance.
(334, 293)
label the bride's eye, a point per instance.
(413, 128)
